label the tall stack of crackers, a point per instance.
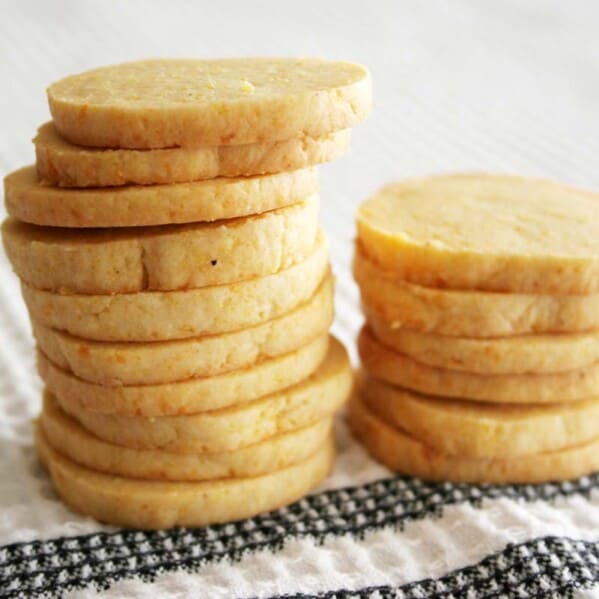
(170, 256)
(480, 351)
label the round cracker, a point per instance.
(233, 427)
(402, 453)
(168, 361)
(163, 315)
(31, 201)
(478, 430)
(163, 504)
(71, 440)
(63, 164)
(470, 313)
(520, 354)
(106, 261)
(398, 369)
(491, 232)
(165, 103)
(189, 395)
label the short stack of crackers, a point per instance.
(480, 351)
(178, 284)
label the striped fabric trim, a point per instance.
(546, 567)
(100, 559)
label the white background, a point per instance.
(508, 85)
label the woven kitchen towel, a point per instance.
(462, 85)
(379, 536)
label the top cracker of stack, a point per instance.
(481, 350)
(178, 284)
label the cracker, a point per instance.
(403, 453)
(398, 369)
(519, 354)
(66, 165)
(106, 261)
(491, 232)
(31, 201)
(166, 103)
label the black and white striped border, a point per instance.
(547, 567)
(53, 567)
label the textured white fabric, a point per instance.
(463, 85)
(463, 536)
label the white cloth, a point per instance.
(510, 86)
